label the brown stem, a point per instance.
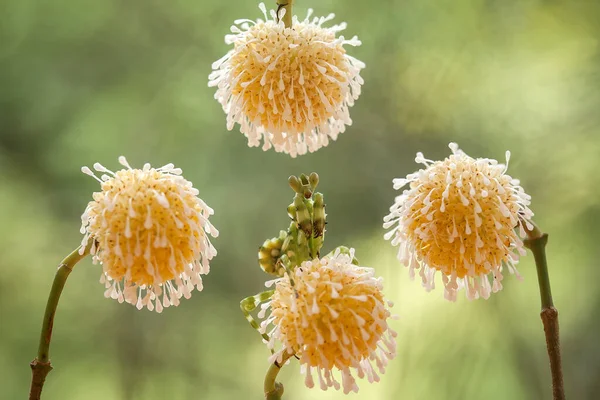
(550, 321)
(41, 366)
(39, 370)
(536, 242)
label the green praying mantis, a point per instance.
(302, 241)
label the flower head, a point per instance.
(333, 316)
(290, 87)
(149, 231)
(458, 217)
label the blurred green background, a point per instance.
(86, 80)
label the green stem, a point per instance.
(287, 5)
(41, 365)
(273, 389)
(536, 242)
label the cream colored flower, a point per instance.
(334, 317)
(289, 87)
(458, 217)
(149, 232)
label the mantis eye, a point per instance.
(295, 184)
(313, 179)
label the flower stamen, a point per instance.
(459, 217)
(148, 230)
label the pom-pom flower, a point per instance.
(458, 217)
(289, 87)
(333, 316)
(149, 231)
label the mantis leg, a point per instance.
(249, 304)
(285, 262)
